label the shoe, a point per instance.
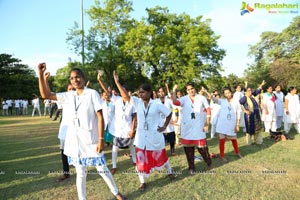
(142, 187)
(239, 155)
(192, 172)
(62, 178)
(209, 167)
(113, 171)
(223, 159)
(213, 155)
(174, 154)
(171, 177)
(127, 155)
(119, 196)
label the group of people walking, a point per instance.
(144, 124)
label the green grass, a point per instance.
(30, 145)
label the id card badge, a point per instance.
(229, 117)
(145, 126)
(76, 122)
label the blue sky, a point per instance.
(35, 30)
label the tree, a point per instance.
(17, 81)
(277, 57)
(109, 21)
(174, 48)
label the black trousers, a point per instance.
(170, 138)
(64, 159)
(190, 156)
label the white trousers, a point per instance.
(81, 173)
(288, 126)
(279, 121)
(270, 126)
(34, 109)
(213, 130)
(114, 154)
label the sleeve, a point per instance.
(97, 101)
(205, 103)
(134, 101)
(238, 109)
(256, 92)
(163, 109)
(243, 100)
(63, 97)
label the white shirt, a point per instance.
(66, 120)
(9, 102)
(192, 129)
(269, 104)
(169, 104)
(150, 139)
(17, 103)
(215, 109)
(121, 123)
(237, 96)
(228, 115)
(25, 103)
(279, 103)
(293, 108)
(36, 103)
(107, 113)
(82, 131)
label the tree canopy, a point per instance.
(17, 81)
(276, 57)
(162, 47)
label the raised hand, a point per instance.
(100, 74)
(116, 77)
(42, 67)
(47, 75)
(175, 87)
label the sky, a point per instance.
(36, 30)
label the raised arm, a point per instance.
(168, 91)
(206, 92)
(123, 92)
(174, 97)
(101, 82)
(46, 77)
(43, 83)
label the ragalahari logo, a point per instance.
(246, 8)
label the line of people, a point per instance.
(145, 124)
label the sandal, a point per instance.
(119, 196)
(142, 187)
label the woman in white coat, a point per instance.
(228, 123)
(292, 107)
(84, 139)
(269, 112)
(149, 139)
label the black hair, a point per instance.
(226, 88)
(79, 71)
(291, 88)
(190, 84)
(147, 87)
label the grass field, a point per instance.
(30, 160)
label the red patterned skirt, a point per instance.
(149, 160)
